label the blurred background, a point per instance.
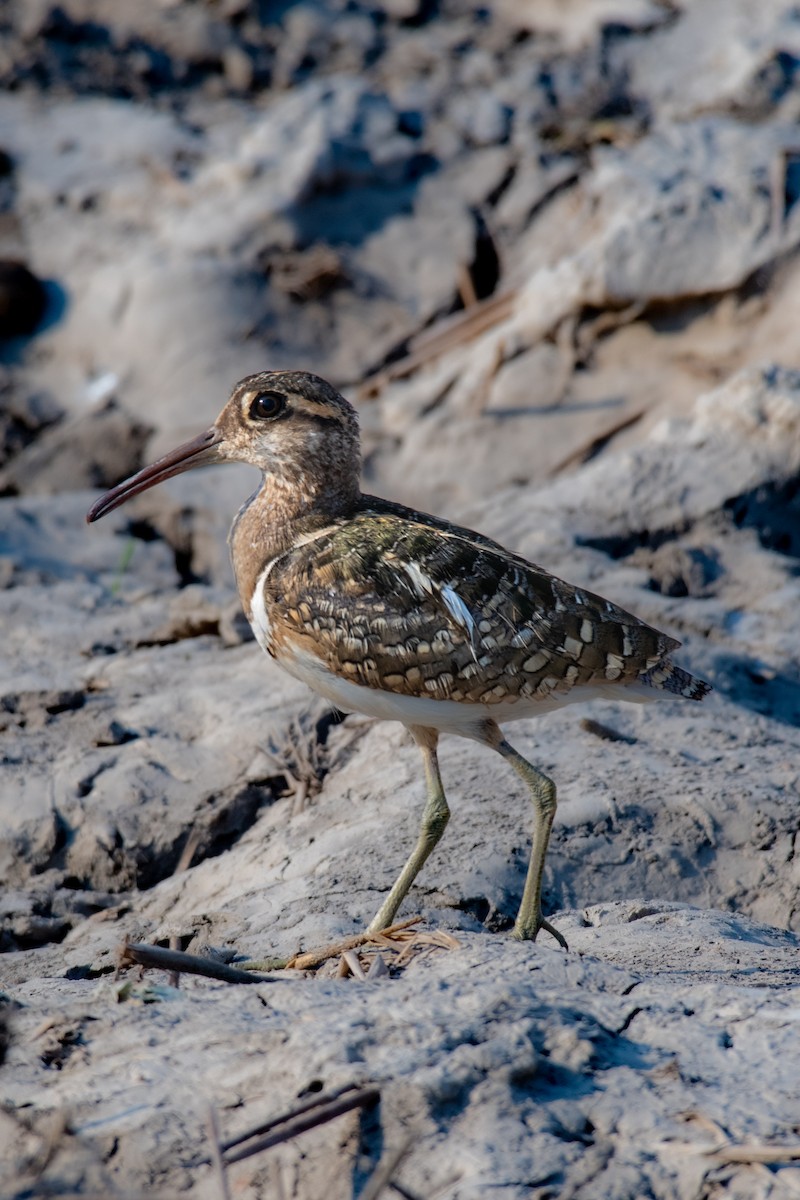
(517, 234)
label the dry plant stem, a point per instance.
(755, 1154)
(403, 1191)
(188, 852)
(313, 958)
(308, 1106)
(176, 960)
(350, 963)
(183, 864)
(174, 976)
(461, 327)
(444, 336)
(310, 1120)
(216, 1153)
(584, 452)
(382, 1175)
(466, 288)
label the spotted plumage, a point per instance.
(402, 615)
(391, 600)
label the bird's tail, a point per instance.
(666, 677)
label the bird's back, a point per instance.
(398, 601)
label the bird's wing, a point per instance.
(402, 602)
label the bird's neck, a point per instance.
(279, 515)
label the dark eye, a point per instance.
(267, 406)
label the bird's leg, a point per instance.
(434, 820)
(543, 794)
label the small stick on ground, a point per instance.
(754, 1153)
(587, 450)
(307, 1106)
(350, 963)
(403, 1191)
(177, 960)
(216, 1153)
(183, 864)
(188, 852)
(448, 334)
(466, 288)
(174, 978)
(314, 958)
(382, 1175)
(302, 1119)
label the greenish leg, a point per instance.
(543, 794)
(434, 820)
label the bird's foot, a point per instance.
(526, 931)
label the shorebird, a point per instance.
(404, 616)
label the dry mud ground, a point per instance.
(550, 251)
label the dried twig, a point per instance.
(403, 945)
(174, 978)
(755, 1153)
(589, 449)
(466, 288)
(314, 958)
(462, 326)
(307, 1106)
(308, 1116)
(216, 1153)
(188, 851)
(436, 940)
(177, 960)
(446, 335)
(350, 963)
(183, 864)
(382, 1175)
(778, 172)
(725, 1150)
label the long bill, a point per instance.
(199, 452)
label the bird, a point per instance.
(404, 616)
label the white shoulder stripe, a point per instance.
(422, 583)
(259, 620)
(458, 610)
(424, 586)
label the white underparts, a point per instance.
(449, 716)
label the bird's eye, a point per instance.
(267, 405)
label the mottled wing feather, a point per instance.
(411, 605)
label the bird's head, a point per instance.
(293, 426)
